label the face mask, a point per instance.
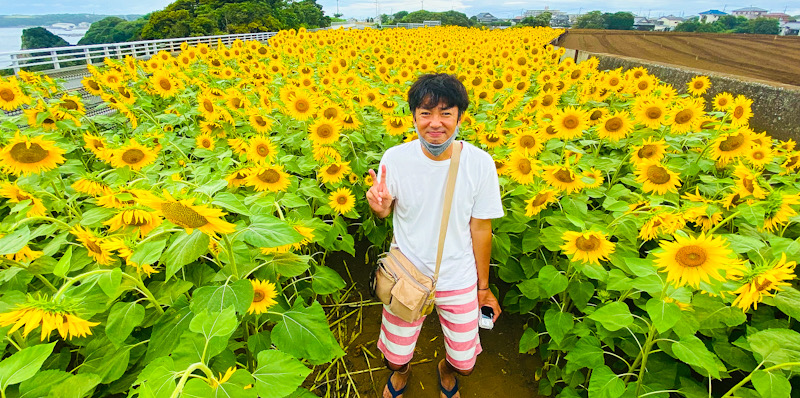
(437, 149)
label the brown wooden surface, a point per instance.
(767, 57)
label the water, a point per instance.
(11, 38)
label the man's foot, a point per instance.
(448, 383)
(396, 384)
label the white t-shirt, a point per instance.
(417, 184)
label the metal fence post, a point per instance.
(88, 57)
(56, 64)
(15, 63)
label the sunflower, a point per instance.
(722, 102)
(141, 220)
(780, 211)
(698, 85)
(261, 149)
(334, 172)
(124, 198)
(539, 202)
(91, 85)
(700, 217)
(764, 281)
(325, 153)
(593, 178)
(264, 294)
(747, 182)
(189, 216)
(650, 112)
(134, 155)
(212, 128)
(589, 247)
(649, 150)
(522, 167)
(570, 122)
(792, 163)
(164, 85)
(268, 178)
(562, 178)
(350, 121)
(98, 247)
(689, 260)
(91, 187)
(238, 177)
(614, 126)
(740, 111)
(728, 147)
(15, 194)
(204, 141)
(11, 96)
(342, 200)
(661, 223)
(685, 117)
(207, 105)
(260, 123)
(529, 142)
(657, 178)
(491, 139)
(301, 106)
(397, 125)
(24, 255)
(25, 155)
(759, 156)
(324, 131)
(43, 313)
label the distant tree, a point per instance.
(542, 19)
(418, 16)
(113, 30)
(618, 21)
(765, 26)
(40, 37)
(454, 18)
(590, 20)
(337, 15)
(500, 23)
(732, 23)
(400, 15)
(385, 19)
(688, 26)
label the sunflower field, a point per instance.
(176, 247)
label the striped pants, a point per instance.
(458, 315)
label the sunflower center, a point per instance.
(262, 149)
(330, 113)
(758, 155)
(571, 122)
(732, 143)
(653, 112)
(647, 151)
(691, 256)
(236, 103)
(539, 199)
(698, 85)
(302, 105)
(492, 138)
(575, 74)
(596, 114)
(614, 124)
(521, 85)
(657, 174)
(748, 184)
(793, 161)
(208, 106)
(260, 121)
(563, 175)
(269, 176)
(341, 200)
(550, 130)
(738, 112)
(93, 246)
(324, 131)
(69, 104)
(165, 84)
(587, 245)
(763, 285)
(132, 156)
(524, 166)
(547, 100)
(684, 116)
(258, 296)
(91, 83)
(206, 143)
(643, 85)
(333, 169)
(24, 154)
(722, 102)
(182, 215)
(397, 123)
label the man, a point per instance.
(411, 183)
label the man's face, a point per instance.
(437, 124)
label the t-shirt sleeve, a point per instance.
(488, 204)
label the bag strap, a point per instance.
(448, 201)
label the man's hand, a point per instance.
(486, 298)
(378, 195)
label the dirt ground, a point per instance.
(501, 370)
(766, 57)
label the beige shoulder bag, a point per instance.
(397, 282)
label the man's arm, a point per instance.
(481, 231)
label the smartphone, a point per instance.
(485, 321)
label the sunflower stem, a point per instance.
(29, 219)
(46, 282)
(198, 365)
(229, 248)
(645, 353)
(721, 223)
(73, 280)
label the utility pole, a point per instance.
(422, 5)
(337, 6)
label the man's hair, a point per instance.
(432, 89)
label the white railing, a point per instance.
(79, 56)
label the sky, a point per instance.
(366, 8)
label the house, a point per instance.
(711, 16)
(557, 18)
(777, 15)
(749, 12)
(517, 19)
(642, 23)
(790, 29)
(667, 23)
(486, 17)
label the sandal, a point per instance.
(395, 393)
(447, 393)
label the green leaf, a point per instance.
(193, 345)
(552, 281)
(291, 201)
(692, 351)
(233, 387)
(604, 383)
(752, 213)
(580, 293)
(278, 374)
(501, 247)
(776, 346)
(212, 187)
(238, 294)
(558, 324)
(64, 263)
(531, 289)
(712, 313)
(24, 364)
(664, 315)
(94, 217)
(185, 249)
(77, 386)
(259, 342)
(213, 323)
(231, 203)
(269, 231)
(326, 281)
(788, 301)
(122, 318)
(640, 266)
(529, 341)
(304, 333)
(652, 284)
(109, 282)
(168, 329)
(15, 241)
(586, 354)
(103, 359)
(613, 316)
(743, 244)
(287, 265)
(41, 384)
(157, 379)
(149, 252)
(771, 384)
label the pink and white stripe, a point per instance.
(458, 315)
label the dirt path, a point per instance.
(767, 57)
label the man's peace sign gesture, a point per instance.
(378, 196)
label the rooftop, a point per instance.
(713, 12)
(750, 9)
